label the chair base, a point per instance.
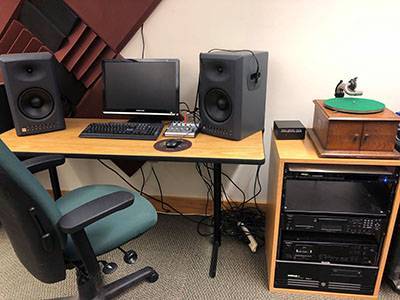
(93, 289)
(115, 288)
(394, 283)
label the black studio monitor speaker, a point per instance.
(32, 92)
(232, 92)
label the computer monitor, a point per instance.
(145, 87)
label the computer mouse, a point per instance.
(173, 143)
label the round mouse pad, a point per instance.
(162, 145)
(354, 105)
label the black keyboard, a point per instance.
(128, 130)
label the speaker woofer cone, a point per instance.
(218, 105)
(35, 103)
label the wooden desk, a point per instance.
(299, 151)
(204, 149)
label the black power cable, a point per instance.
(145, 194)
(160, 189)
(255, 76)
(255, 194)
(209, 184)
(186, 105)
(143, 181)
(252, 218)
(196, 103)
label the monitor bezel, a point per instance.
(128, 112)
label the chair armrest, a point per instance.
(94, 210)
(45, 162)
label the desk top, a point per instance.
(303, 151)
(204, 148)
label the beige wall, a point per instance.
(312, 45)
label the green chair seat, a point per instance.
(108, 233)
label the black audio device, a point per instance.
(338, 278)
(332, 226)
(330, 248)
(289, 130)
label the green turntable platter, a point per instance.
(354, 105)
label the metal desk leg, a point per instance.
(217, 219)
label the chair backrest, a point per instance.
(30, 216)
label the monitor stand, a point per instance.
(152, 119)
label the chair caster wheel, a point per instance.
(153, 277)
(108, 268)
(130, 257)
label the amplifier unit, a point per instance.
(325, 277)
(347, 190)
(374, 226)
(330, 248)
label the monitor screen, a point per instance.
(141, 87)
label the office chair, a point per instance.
(50, 236)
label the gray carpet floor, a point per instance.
(182, 259)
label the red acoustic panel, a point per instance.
(129, 166)
(8, 11)
(10, 35)
(95, 70)
(89, 58)
(44, 49)
(79, 49)
(21, 41)
(114, 21)
(90, 105)
(41, 26)
(72, 39)
(33, 46)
